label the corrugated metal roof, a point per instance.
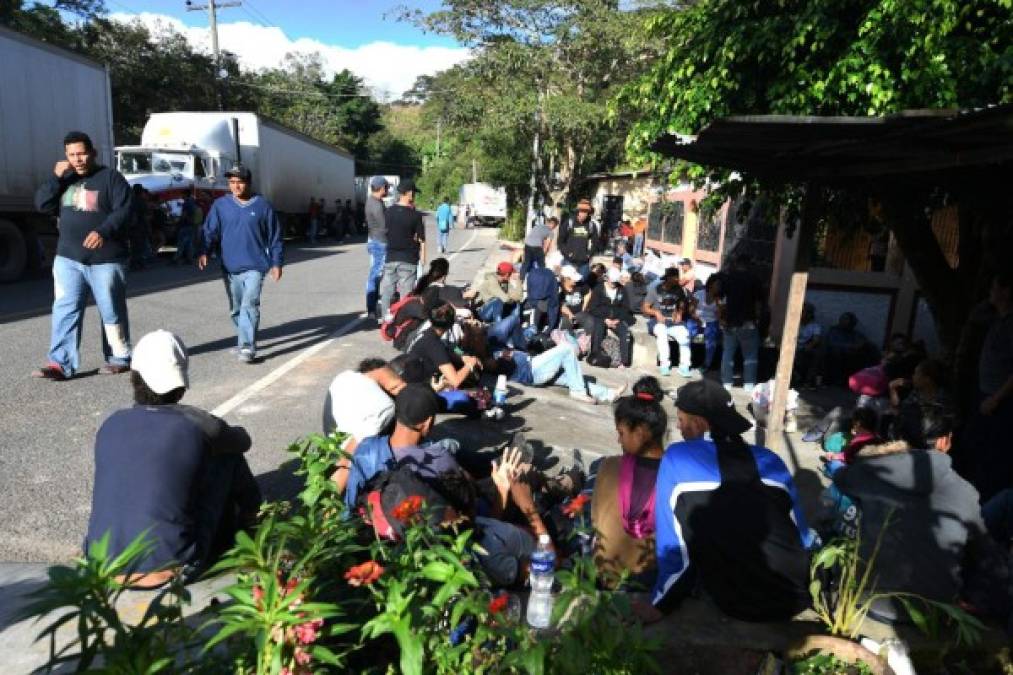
(792, 148)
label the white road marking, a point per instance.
(282, 370)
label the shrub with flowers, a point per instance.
(315, 591)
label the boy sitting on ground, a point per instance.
(172, 470)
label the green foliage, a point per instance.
(513, 229)
(828, 664)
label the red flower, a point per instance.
(302, 657)
(258, 596)
(576, 505)
(307, 633)
(408, 509)
(363, 574)
(499, 603)
(290, 586)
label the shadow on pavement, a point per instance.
(285, 338)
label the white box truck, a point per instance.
(45, 92)
(189, 152)
(482, 203)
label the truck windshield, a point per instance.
(139, 161)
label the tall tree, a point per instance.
(842, 57)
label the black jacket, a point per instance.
(575, 241)
(98, 202)
(601, 307)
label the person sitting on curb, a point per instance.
(499, 292)
(173, 471)
(610, 307)
(440, 361)
(623, 503)
(574, 296)
(729, 518)
(666, 307)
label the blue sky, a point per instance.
(340, 22)
(364, 36)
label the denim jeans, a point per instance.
(638, 245)
(377, 257)
(662, 333)
(443, 240)
(491, 311)
(243, 289)
(313, 229)
(397, 275)
(71, 282)
(506, 332)
(711, 336)
(746, 338)
(184, 243)
(559, 365)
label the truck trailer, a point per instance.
(45, 91)
(482, 203)
(189, 152)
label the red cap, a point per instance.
(505, 268)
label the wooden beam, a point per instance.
(796, 298)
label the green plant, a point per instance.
(828, 664)
(843, 604)
(513, 229)
(90, 590)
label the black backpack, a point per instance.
(387, 490)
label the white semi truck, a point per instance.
(45, 92)
(482, 203)
(189, 152)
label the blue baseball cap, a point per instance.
(377, 182)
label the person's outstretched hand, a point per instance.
(507, 470)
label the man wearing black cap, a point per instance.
(406, 246)
(246, 228)
(728, 516)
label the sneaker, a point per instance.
(665, 371)
(582, 397)
(246, 355)
(727, 387)
(113, 369)
(684, 372)
(748, 388)
(50, 371)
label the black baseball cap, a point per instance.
(407, 185)
(711, 401)
(239, 171)
(415, 404)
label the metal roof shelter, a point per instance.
(916, 145)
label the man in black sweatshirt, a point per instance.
(575, 237)
(93, 205)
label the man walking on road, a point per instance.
(247, 228)
(376, 240)
(444, 218)
(406, 246)
(93, 204)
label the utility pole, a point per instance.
(474, 170)
(212, 8)
(439, 128)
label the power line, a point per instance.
(263, 16)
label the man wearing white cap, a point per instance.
(173, 471)
(610, 307)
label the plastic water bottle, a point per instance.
(499, 394)
(542, 570)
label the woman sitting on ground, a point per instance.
(622, 508)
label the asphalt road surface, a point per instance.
(47, 428)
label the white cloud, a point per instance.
(388, 68)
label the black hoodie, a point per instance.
(98, 202)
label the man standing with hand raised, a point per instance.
(93, 204)
(246, 227)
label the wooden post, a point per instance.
(793, 314)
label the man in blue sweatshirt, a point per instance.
(93, 204)
(246, 228)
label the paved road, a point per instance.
(47, 428)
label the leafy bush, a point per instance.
(315, 591)
(513, 229)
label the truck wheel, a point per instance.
(13, 252)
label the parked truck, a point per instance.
(189, 152)
(482, 203)
(45, 92)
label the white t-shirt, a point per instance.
(359, 405)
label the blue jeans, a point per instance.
(506, 332)
(711, 335)
(243, 289)
(748, 339)
(638, 245)
(491, 311)
(184, 243)
(559, 365)
(71, 282)
(443, 240)
(377, 257)
(314, 228)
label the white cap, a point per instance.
(161, 361)
(614, 275)
(570, 272)
(553, 260)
